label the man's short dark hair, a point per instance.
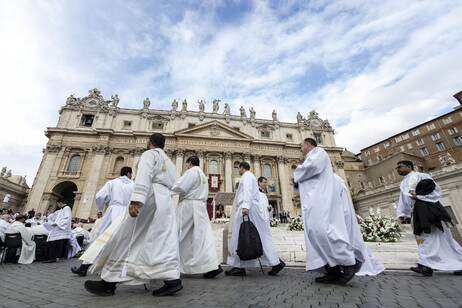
(407, 163)
(28, 224)
(125, 171)
(157, 140)
(311, 141)
(261, 179)
(194, 160)
(61, 200)
(244, 165)
(20, 217)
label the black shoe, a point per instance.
(168, 288)
(329, 278)
(277, 268)
(101, 287)
(424, 270)
(349, 272)
(213, 273)
(81, 271)
(49, 261)
(236, 271)
(458, 273)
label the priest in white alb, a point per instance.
(264, 203)
(59, 225)
(328, 245)
(371, 266)
(198, 252)
(28, 245)
(116, 195)
(145, 246)
(94, 230)
(436, 246)
(247, 202)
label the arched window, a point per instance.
(74, 164)
(118, 165)
(213, 167)
(267, 171)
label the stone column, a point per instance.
(179, 163)
(93, 182)
(228, 171)
(256, 166)
(246, 157)
(36, 193)
(201, 155)
(284, 184)
(136, 153)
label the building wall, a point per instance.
(106, 137)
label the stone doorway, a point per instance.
(62, 190)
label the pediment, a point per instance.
(213, 129)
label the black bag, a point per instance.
(249, 245)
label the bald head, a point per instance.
(5, 217)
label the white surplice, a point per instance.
(63, 219)
(198, 252)
(74, 247)
(371, 266)
(79, 231)
(264, 205)
(116, 194)
(39, 230)
(3, 226)
(437, 250)
(152, 252)
(326, 236)
(94, 229)
(248, 197)
(28, 245)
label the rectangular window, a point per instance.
(377, 149)
(440, 146)
(265, 134)
(453, 131)
(420, 142)
(436, 136)
(386, 145)
(157, 125)
(379, 158)
(416, 132)
(431, 126)
(190, 125)
(318, 138)
(370, 161)
(409, 146)
(398, 139)
(424, 151)
(401, 148)
(367, 153)
(457, 140)
(289, 137)
(447, 120)
(406, 136)
(87, 120)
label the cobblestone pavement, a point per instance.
(53, 285)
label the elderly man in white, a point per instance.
(59, 225)
(4, 224)
(28, 246)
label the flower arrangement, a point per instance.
(274, 222)
(296, 223)
(378, 228)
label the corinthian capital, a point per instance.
(228, 154)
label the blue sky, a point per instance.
(373, 68)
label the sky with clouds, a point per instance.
(373, 68)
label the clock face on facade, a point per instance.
(315, 122)
(91, 103)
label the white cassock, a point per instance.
(74, 247)
(248, 197)
(371, 266)
(3, 226)
(63, 219)
(264, 205)
(78, 231)
(198, 252)
(28, 245)
(94, 229)
(116, 194)
(39, 230)
(439, 250)
(326, 236)
(152, 253)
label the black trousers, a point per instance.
(57, 249)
